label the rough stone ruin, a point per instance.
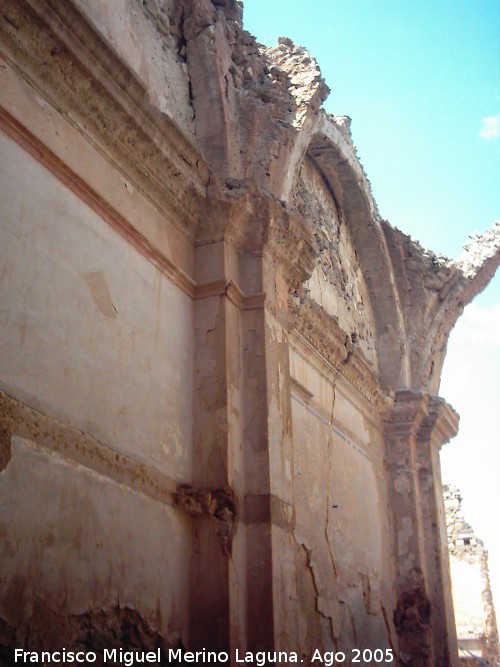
(220, 418)
(477, 630)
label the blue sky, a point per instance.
(417, 79)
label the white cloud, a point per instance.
(490, 128)
(478, 326)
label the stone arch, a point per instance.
(327, 143)
(474, 271)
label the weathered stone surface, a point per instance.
(219, 425)
(474, 610)
(114, 628)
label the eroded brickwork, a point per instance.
(477, 629)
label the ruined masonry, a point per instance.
(472, 597)
(219, 413)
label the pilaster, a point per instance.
(214, 328)
(249, 253)
(412, 616)
(438, 427)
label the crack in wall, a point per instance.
(388, 628)
(310, 568)
(330, 471)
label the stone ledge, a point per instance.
(17, 419)
(332, 344)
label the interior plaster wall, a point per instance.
(342, 518)
(89, 340)
(262, 371)
(88, 325)
(75, 542)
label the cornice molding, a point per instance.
(233, 292)
(18, 419)
(53, 47)
(252, 220)
(24, 138)
(290, 245)
(62, 56)
(440, 424)
(323, 333)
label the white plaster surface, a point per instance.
(340, 511)
(77, 542)
(92, 333)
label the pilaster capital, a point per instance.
(290, 245)
(409, 411)
(252, 220)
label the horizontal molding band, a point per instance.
(233, 292)
(268, 509)
(38, 150)
(91, 87)
(72, 444)
(17, 419)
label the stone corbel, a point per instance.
(218, 503)
(440, 424)
(324, 334)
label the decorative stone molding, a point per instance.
(19, 420)
(334, 154)
(214, 502)
(325, 336)
(408, 414)
(290, 246)
(268, 508)
(233, 292)
(252, 221)
(52, 46)
(87, 194)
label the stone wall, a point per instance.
(337, 283)
(219, 421)
(477, 630)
